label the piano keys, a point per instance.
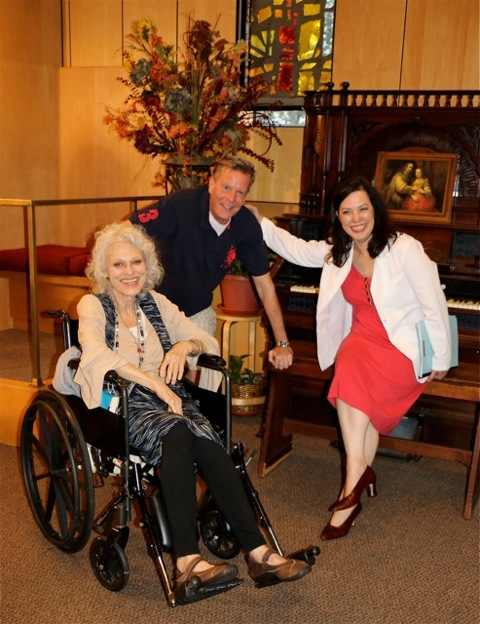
(464, 305)
(461, 281)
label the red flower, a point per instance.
(230, 257)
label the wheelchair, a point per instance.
(67, 451)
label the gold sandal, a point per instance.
(217, 573)
(264, 573)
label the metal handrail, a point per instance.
(30, 205)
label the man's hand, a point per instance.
(254, 210)
(281, 357)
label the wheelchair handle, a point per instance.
(214, 362)
(60, 314)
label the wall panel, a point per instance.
(95, 33)
(442, 45)
(30, 31)
(283, 184)
(220, 12)
(94, 161)
(163, 14)
(368, 43)
(29, 59)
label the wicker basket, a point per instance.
(247, 399)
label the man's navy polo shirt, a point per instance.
(193, 255)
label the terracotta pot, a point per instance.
(238, 295)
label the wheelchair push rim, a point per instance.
(56, 472)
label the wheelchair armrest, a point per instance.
(59, 314)
(215, 362)
(114, 378)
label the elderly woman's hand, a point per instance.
(173, 365)
(173, 401)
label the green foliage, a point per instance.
(237, 268)
(240, 375)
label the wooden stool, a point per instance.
(241, 405)
(227, 320)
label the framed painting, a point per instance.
(417, 185)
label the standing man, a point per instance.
(197, 230)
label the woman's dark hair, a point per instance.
(383, 233)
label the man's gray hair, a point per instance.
(235, 163)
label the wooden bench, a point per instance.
(304, 379)
(58, 292)
(61, 283)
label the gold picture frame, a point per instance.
(417, 185)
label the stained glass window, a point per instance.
(290, 44)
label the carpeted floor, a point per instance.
(411, 558)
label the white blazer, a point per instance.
(405, 288)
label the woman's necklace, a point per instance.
(140, 334)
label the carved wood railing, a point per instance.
(391, 98)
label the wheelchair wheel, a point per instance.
(217, 535)
(56, 472)
(109, 563)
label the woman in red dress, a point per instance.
(375, 286)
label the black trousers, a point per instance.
(177, 477)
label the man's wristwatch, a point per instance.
(283, 343)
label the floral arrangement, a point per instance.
(192, 112)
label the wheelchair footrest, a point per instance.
(192, 592)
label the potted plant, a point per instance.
(247, 386)
(191, 112)
(238, 292)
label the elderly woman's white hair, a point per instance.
(96, 270)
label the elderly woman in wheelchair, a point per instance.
(136, 332)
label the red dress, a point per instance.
(371, 374)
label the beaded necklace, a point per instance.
(140, 337)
